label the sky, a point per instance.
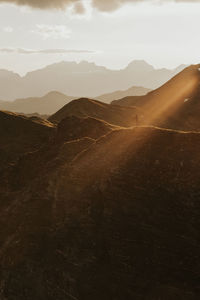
(165, 33)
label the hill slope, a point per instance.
(90, 210)
(84, 107)
(120, 220)
(19, 135)
(168, 105)
(73, 128)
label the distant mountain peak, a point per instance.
(70, 67)
(135, 64)
(9, 74)
(54, 93)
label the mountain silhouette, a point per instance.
(133, 91)
(53, 101)
(81, 79)
(9, 79)
(45, 105)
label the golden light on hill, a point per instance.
(169, 98)
(163, 103)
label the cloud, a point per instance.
(44, 51)
(42, 3)
(111, 5)
(102, 5)
(52, 31)
(79, 8)
(8, 29)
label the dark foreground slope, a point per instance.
(118, 219)
(19, 135)
(84, 107)
(73, 128)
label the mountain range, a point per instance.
(53, 101)
(45, 105)
(98, 202)
(82, 79)
(133, 91)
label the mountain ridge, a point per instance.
(81, 79)
(172, 104)
(133, 91)
(45, 105)
(84, 107)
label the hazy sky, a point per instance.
(163, 33)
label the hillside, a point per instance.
(19, 135)
(174, 105)
(73, 128)
(45, 105)
(91, 209)
(84, 107)
(109, 227)
(133, 91)
(82, 79)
